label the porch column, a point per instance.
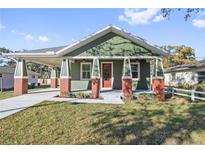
(96, 78)
(126, 78)
(20, 78)
(158, 84)
(54, 78)
(65, 78)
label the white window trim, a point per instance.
(81, 70)
(138, 70)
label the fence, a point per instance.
(192, 94)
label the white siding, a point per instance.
(181, 78)
(8, 81)
(33, 79)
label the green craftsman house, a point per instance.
(109, 59)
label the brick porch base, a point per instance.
(20, 86)
(65, 87)
(127, 87)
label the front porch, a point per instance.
(98, 74)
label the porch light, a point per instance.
(72, 61)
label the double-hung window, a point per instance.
(85, 71)
(135, 68)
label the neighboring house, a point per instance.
(7, 77)
(185, 74)
(111, 55)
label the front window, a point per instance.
(85, 70)
(135, 67)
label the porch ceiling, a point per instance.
(45, 60)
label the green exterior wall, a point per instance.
(111, 45)
(76, 83)
(142, 84)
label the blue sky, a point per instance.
(40, 28)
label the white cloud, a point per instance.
(200, 14)
(140, 16)
(27, 37)
(158, 18)
(2, 26)
(199, 23)
(43, 39)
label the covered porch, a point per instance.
(98, 74)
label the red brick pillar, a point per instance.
(65, 86)
(54, 82)
(95, 88)
(127, 87)
(20, 78)
(54, 79)
(158, 86)
(20, 86)
(65, 78)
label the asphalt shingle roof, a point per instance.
(52, 49)
(198, 64)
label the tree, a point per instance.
(179, 55)
(4, 50)
(188, 12)
(4, 60)
(39, 68)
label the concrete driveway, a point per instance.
(15, 104)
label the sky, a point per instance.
(41, 28)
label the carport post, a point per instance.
(54, 79)
(65, 78)
(20, 78)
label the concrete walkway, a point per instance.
(15, 104)
(109, 97)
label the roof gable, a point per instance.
(58, 52)
(111, 45)
(117, 31)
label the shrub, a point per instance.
(186, 86)
(200, 88)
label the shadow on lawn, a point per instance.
(149, 126)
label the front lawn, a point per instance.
(132, 123)
(6, 94)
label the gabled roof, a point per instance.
(187, 67)
(63, 50)
(52, 49)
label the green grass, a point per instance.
(132, 123)
(6, 94)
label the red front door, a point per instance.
(107, 75)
